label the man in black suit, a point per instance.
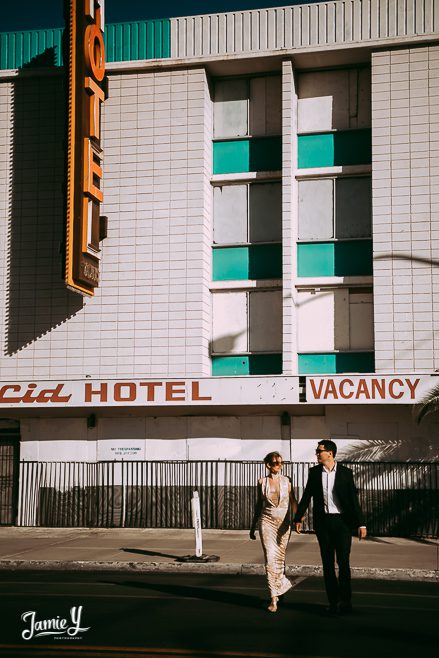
(337, 515)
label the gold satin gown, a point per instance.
(274, 530)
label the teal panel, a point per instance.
(265, 261)
(231, 157)
(351, 147)
(262, 261)
(353, 258)
(315, 150)
(253, 364)
(317, 364)
(257, 154)
(266, 154)
(344, 258)
(332, 363)
(230, 365)
(138, 40)
(315, 259)
(356, 362)
(230, 263)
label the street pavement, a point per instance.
(147, 550)
(127, 615)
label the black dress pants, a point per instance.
(335, 540)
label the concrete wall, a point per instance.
(390, 435)
(405, 109)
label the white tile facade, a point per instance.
(151, 314)
(405, 111)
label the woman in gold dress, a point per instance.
(274, 509)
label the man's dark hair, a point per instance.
(329, 445)
(269, 458)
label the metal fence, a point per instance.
(398, 499)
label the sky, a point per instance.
(38, 14)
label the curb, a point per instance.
(237, 569)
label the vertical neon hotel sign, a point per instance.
(86, 72)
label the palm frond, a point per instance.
(428, 405)
(371, 450)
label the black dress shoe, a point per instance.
(345, 609)
(330, 611)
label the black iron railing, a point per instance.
(398, 499)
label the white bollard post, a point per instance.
(196, 522)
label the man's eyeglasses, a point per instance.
(319, 451)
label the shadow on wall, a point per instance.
(37, 298)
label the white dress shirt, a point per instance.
(329, 501)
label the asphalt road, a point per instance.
(182, 615)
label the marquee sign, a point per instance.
(215, 391)
(154, 392)
(372, 389)
(86, 72)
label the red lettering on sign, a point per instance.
(196, 392)
(102, 392)
(150, 389)
(392, 393)
(174, 391)
(346, 396)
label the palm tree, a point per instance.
(429, 404)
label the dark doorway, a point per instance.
(9, 464)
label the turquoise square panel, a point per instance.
(230, 263)
(344, 258)
(317, 364)
(333, 363)
(253, 364)
(231, 157)
(315, 150)
(230, 365)
(350, 147)
(242, 155)
(262, 261)
(315, 259)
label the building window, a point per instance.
(248, 325)
(335, 330)
(247, 125)
(337, 208)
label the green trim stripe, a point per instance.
(123, 42)
(336, 362)
(350, 147)
(33, 47)
(261, 261)
(344, 258)
(250, 364)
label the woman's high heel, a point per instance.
(273, 605)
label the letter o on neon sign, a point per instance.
(95, 52)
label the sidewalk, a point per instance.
(157, 550)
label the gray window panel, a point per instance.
(266, 321)
(230, 214)
(266, 212)
(353, 207)
(316, 209)
(265, 106)
(231, 108)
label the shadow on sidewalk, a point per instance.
(141, 551)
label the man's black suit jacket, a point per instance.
(345, 494)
